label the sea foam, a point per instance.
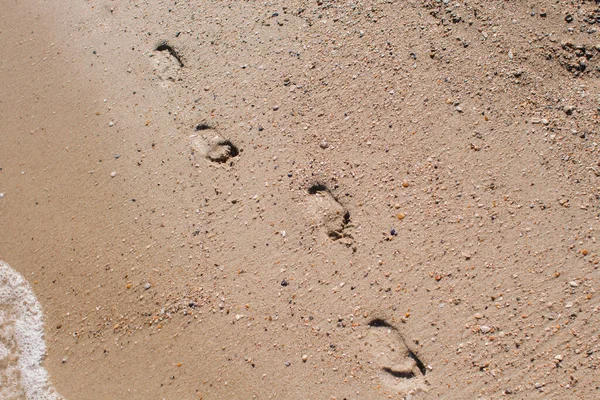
(22, 346)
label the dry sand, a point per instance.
(349, 200)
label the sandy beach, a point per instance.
(300, 200)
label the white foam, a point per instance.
(22, 346)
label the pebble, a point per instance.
(324, 144)
(304, 357)
(485, 329)
(573, 284)
(1, 195)
(113, 174)
(111, 124)
(545, 121)
(147, 286)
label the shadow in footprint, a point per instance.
(203, 127)
(328, 214)
(399, 367)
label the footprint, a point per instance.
(167, 61)
(213, 147)
(399, 367)
(166, 47)
(328, 214)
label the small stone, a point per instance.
(1, 195)
(573, 284)
(111, 124)
(284, 283)
(393, 232)
(147, 286)
(113, 174)
(558, 357)
(304, 357)
(485, 329)
(535, 120)
(275, 108)
(545, 121)
(324, 144)
(478, 316)
(287, 363)
(238, 317)
(458, 108)
(569, 18)
(64, 360)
